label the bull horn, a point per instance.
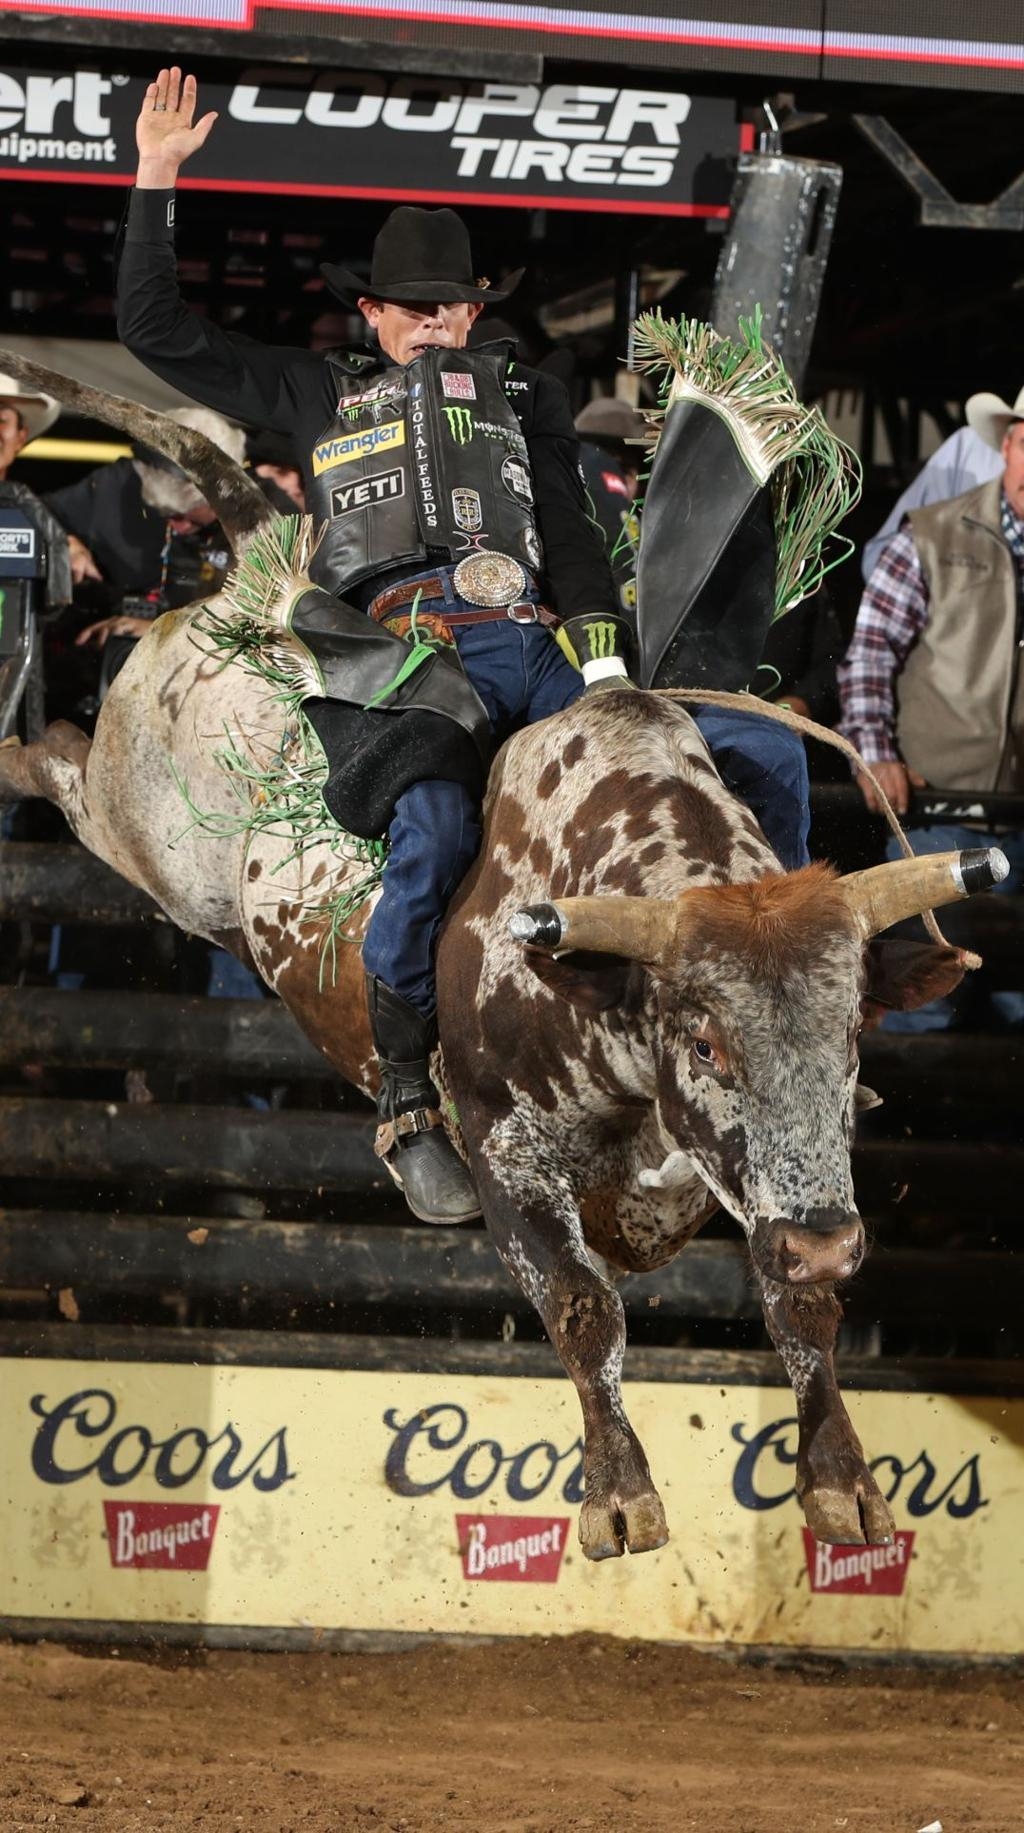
(884, 895)
(639, 928)
(239, 503)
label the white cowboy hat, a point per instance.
(991, 418)
(37, 411)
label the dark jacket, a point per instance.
(129, 540)
(125, 537)
(801, 655)
(612, 499)
(289, 391)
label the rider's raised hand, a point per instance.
(164, 133)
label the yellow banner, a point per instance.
(304, 1499)
(372, 439)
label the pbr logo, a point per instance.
(859, 1571)
(381, 391)
(382, 487)
(161, 1536)
(519, 1549)
(467, 509)
(334, 452)
(457, 386)
(460, 424)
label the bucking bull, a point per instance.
(643, 1018)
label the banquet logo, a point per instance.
(521, 1549)
(859, 1571)
(160, 1536)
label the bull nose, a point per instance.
(810, 1256)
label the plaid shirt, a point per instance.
(893, 613)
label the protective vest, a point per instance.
(426, 463)
(961, 695)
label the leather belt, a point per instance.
(394, 598)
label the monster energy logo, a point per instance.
(601, 637)
(460, 424)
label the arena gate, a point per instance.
(250, 1400)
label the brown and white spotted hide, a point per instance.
(609, 1107)
(729, 1078)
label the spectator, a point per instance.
(273, 459)
(614, 439)
(932, 690)
(24, 417)
(120, 517)
(962, 461)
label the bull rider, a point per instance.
(448, 484)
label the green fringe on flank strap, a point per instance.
(815, 479)
(275, 565)
(282, 798)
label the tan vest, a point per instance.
(960, 719)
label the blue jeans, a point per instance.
(521, 676)
(766, 766)
(1007, 1007)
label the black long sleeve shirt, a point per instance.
(289, 391)
(105, 509)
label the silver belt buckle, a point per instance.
(490, 580)
(522, 613)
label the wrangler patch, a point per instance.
(333, 452)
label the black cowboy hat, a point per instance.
(419, 255)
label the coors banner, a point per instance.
(433, 139)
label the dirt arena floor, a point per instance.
(527, 1737)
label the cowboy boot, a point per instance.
(411, 1139)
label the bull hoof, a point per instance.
(854, 1516)
(612, 1525)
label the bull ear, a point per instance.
(590, 982)
(899, 976)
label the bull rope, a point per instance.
(798, 722)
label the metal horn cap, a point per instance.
(980, 868)
(540, 924)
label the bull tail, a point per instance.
(241, 508)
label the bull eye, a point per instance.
(702, 1050)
